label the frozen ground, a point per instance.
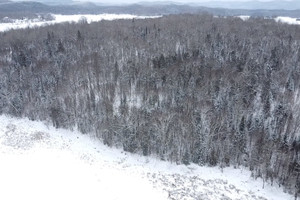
(287, 20)
(25, 23)
(38, 161)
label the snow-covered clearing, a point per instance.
(31, 23)
(288, 20)
(41, 162)
(244, 17)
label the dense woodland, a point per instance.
(185, 88)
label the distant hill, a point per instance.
(19, 8)
(56, 2)
(4, 1)
(253, 5)
(24, 7)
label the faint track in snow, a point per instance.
(181, 187)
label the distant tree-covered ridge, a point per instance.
(30, 9)
(186, 88)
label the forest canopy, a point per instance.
(186, 88)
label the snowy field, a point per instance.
(26, 23)
(287, 20)
(41, 162)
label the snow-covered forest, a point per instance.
(185, 88)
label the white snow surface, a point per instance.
(38, 161)
(244, 17)
(58, 18)
(280, 19)
(288, 20)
